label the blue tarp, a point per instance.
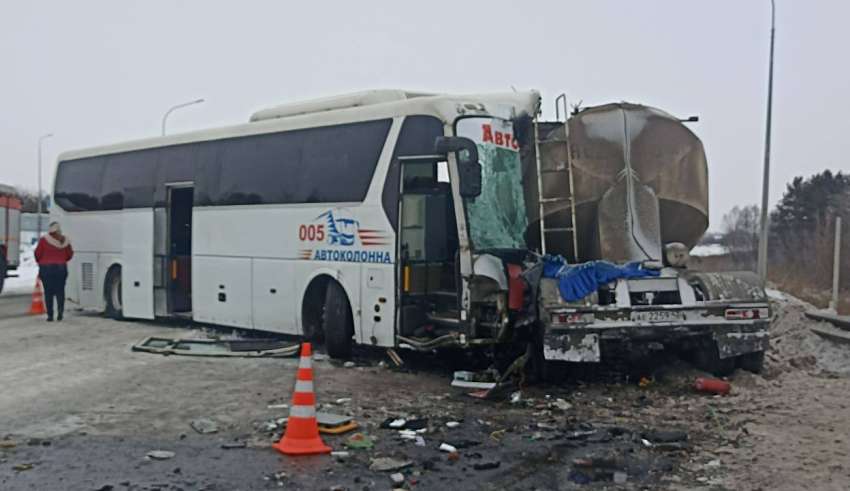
(580, 280)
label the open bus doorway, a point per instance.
(180, 199)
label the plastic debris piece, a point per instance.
(388, 464)
(204, 426)
(398, 423)
(397, 478)
(646, 443)
(340, 454)
(445, 447)
(160, 454)
(359, 441)
(562, 405)
(343, 400)
(712, 386)
(22, 467)
(419, 442)
(452, 424)
(278, 406)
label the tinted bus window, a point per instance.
(127, 170)
(176, 164)
(78, 184)
(416, 138)
(315, 165)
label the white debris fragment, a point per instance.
(160, 454)
(562, 405)
(398, 423)
(343, 400)
(397, 478)
(419, 442)
(646, 443)
(453, 424)
(516, 397)
(278, 406)
(445, 447)
(349, 364)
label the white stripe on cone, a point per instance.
(303, 411)
(304, 386)
(305, 362)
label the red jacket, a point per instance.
(46, 253)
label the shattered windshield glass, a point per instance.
(497, 218)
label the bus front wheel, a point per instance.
(337, 322)
(112, 293)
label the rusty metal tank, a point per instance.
(640, 179)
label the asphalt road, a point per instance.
(14, 305)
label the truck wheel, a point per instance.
(708, 358)
(337, 322)
(752, 362)
(112, 293)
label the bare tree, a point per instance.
(740, 235)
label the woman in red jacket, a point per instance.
(52, 255)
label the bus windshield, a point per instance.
(497, 218)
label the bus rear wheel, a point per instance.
(112, 293)
(337, 322)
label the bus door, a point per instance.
(137, 278)
(428, 249)
(180, 199)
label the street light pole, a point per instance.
(174, 108)
(765, 184)
(40, 142)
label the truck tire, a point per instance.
(708, 358)
(337, 322)
(112, 294)
(752, 362)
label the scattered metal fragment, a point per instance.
(250, 348)
(394, 357)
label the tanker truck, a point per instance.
(626, 186)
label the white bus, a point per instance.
(346, 219)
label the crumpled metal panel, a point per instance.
(607, 143)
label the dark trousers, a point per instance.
(53, 277)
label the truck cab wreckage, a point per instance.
(595, 269)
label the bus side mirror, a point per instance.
(467, 162)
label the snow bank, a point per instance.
(26, 273)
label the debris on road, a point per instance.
(397, 478)
(22, 467)
(445, 447)
(475, 380)
(233, 445)
(359, 441)
(247, 348)
(712, 386)
(388, 464)
(204, 426)
(160, 454)
(391, 353)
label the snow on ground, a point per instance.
(26, 273)
(705, 250)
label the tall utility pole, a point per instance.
(765, 184)
(174, 108)
(836, 265)
(40, 142)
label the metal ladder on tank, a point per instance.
(561, 168)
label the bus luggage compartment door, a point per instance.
(137, 263)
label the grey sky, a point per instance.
(96, 72)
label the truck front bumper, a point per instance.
(583, 343)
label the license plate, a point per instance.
(658, 316)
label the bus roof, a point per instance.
(361, 106)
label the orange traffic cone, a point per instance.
(302, 429)
(37, 305)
